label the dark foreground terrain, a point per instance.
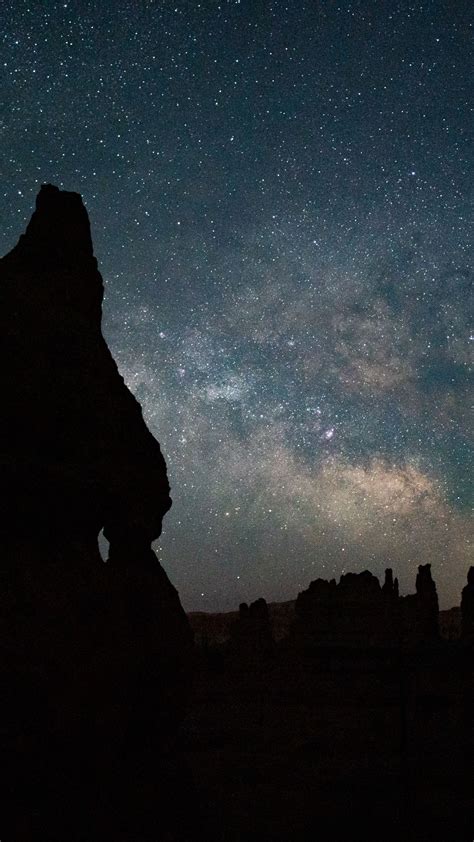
(319, 738)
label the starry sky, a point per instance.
(279, 200)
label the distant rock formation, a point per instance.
(94, 657)
(420, 611)
(356, 612)
(251, 636)
(450, 623)
(467, 608)
(359, 727)
(390, 585)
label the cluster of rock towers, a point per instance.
(357, 612)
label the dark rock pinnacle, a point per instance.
(94, 657)
(68, 413)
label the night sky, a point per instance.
(279, 200)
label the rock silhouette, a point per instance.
(251, 638)
(420, 611)
(467, 608)
(94, 657)
(354, 612)
(73, 436)
(357, 725)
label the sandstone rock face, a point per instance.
(94, 657)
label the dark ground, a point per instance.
(334, 744)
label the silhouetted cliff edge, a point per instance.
(94, 657)
(73, 436)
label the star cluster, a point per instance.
(278, 198)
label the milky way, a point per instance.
(278, 198)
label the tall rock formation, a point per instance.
(467, 608)
(428, 606)
(94, 657)
(73, 437)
